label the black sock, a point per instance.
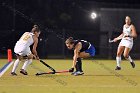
(79, 65)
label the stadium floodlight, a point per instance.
(93, 15)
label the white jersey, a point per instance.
(127, 41)
(127, 31)
(26, 39)
(22, 46)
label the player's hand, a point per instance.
(71, 69)
(37, 58)
(115, 39)
(34, 57)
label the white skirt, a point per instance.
(126, 43)
(22, 50)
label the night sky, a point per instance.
(54, 18)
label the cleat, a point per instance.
(73, 73)
(118, 68)
(13, 74)
(78, 73)
(132, 64)
(22, 71)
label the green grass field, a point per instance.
(99, 77)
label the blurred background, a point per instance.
(59, 19)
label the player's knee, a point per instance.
(30, 60)
(19, 58)
(30, 56)
(118, 54)
(125, 56)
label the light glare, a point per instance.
(93, 15)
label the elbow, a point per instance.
(75, 57)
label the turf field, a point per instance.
(99, 77)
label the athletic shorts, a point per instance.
(126, 43)
(91, 50)
(22, 50)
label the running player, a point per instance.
(82, 49)
(22, 49)
(126, 44)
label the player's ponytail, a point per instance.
(70, 40)
(35, 29)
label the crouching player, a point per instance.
(22, 49)
(82, 49)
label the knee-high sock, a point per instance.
(26, 63)
(79, 65)
(15, 65)
(118, 60)
(129, 58)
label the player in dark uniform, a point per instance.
(82, 49)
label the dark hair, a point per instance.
(69, 40)
(35, 29)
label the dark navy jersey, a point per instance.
(85, 45)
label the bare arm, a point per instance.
(118, 38)
(76, 53)
(35, 46)
(134, 34)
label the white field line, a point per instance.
(1, 74)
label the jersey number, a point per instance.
(26, 37)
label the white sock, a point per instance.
(15, 65)
(118, 60)
(26, 63)
(129, 58)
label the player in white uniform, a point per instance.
(22, 49)
(126, 44)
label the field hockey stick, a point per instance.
(48, 66)
(64, 71)
(111, 41)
